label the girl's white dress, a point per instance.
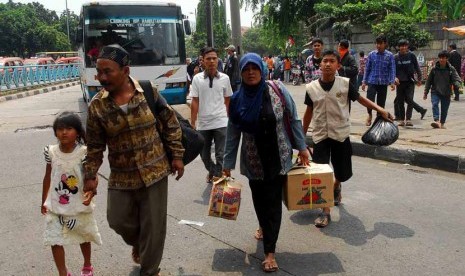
(68, 221)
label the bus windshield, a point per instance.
(151, 34)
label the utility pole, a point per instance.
(208, 8)
(236, 26)
(67, 19)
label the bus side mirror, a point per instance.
(187, 27)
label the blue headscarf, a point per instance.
(246, 103)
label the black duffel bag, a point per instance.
(192, 140)
(381, 133)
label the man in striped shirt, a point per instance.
(380, 71)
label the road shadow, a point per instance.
(205, 195)
(352, 230)
(232, 260)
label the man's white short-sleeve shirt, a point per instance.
(211, 93)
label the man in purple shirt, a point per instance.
(380, 71)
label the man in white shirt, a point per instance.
(210, 92)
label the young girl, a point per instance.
(67, 209)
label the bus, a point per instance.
(152, 32)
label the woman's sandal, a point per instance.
(258, 234)
(87, 271)
(270, 265)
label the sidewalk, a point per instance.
(37, 89)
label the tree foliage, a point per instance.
(262, 41)
(30, 28)
(220, 29)
(397, 26)
(283, 16)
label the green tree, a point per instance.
(397, 26)
(220, 31)
(29, 28)
(73, 24)
(283, 16)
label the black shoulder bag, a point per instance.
(191, 140)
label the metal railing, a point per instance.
(13, 77)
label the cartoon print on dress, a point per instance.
(67, 186)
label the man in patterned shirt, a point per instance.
(119, 118)
(312, 65)
(380, 71)
(361, 68)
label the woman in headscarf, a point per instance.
(267, 127)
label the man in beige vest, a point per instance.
(327, 101)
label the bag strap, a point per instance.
(155, 106)
(278, 92)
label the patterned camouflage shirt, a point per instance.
(136, 153)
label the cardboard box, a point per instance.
(309, 187)
(225, 198)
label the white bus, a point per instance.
(153, 34)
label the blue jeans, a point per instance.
(445, 102)
(219, 136)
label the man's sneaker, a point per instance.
(401, 123)
(408, 123)
(435, 125)
(423, 112)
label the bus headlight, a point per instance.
(175, 85)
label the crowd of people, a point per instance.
(232, 105)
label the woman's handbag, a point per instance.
(191, 140)
(381, 133)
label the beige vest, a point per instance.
(331, 117)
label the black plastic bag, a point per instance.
(381, 133)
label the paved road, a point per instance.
(394, 220)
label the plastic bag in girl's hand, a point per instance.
(381, 133)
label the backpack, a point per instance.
(191, 140)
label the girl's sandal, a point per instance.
(258, 234)
(87, 271)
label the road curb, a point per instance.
(36, 91)
(424, 159)
(444, 162)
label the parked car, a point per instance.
(68, 60)
(10, 61)
(39, 61)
